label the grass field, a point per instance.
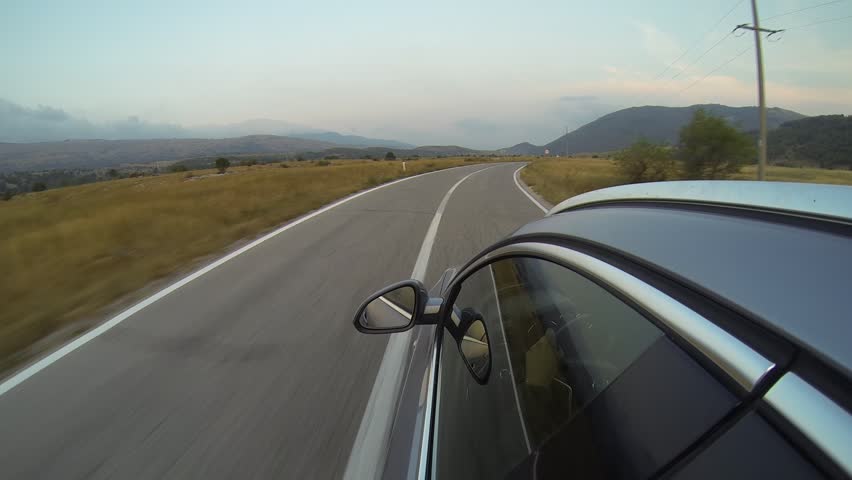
(68, 253)
(556, 179)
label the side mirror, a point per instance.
(395, 308)
(474, 346)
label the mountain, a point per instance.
(255, 126)
(380, 152)
(22, 124)
(525, 148)
(110, 153)
(619, 129)
(351, 140)
(265, 126)
(824, 141)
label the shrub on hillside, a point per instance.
(645, 162)
(222, 164)
(712, 149)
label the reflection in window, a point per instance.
(568, 339)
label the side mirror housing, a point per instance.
(397, 308)
(474, 345)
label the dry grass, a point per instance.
(556, 179)
(803, 175)
(66, 254)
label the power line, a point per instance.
(715, 70)
(703, 54)
(700, 39)
(685, 52)
(826, 20)
(802, 10)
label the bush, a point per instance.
(39, 187)
(323, 163)
(189, 175)
(645, 162)
(331, 157)
(712, 149)
(284, 165)
(300, 158)
(178, 168)
(222, 164)
(112, 173)
(7, 196)
(390, 156)
(248, 163)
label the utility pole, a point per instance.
(761, 95)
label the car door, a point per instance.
(586, 381)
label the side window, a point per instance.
(557, 341)
(568, 339)
(581, 385)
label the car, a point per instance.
(698, 329)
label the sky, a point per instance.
(482, 74)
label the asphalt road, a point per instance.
(252, 370)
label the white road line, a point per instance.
(371, 443)
(78, 342)
(525, 192)
(509, 360)
(395, 308)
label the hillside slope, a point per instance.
(824, 141)
(109, 153)
(619, 129)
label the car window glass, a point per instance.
(557, 341)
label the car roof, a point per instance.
(829, 201)
(790, 275)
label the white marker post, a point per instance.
(403, 165)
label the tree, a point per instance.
(390, 156)
(39, 187)
(712, 149)
(645, 162)
(112, 173)
(222, 164)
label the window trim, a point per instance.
(820, 419)
(740, 362)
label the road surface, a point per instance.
(252, 370)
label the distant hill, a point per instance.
(352, 140)
(525, 148)
(93, 154)
(265, 126)
(380, 152)
(109, 153)
(824, 141)
(619, 129)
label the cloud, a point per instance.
(45, 124)
(657, 43)
(578, 98)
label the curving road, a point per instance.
(253, 369)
